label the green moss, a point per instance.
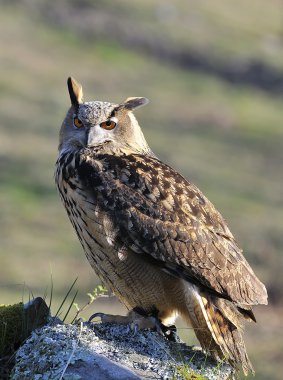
(11, 319)
(18, 321)
(187, 373)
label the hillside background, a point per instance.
(213, 71)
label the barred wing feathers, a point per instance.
(169, 221)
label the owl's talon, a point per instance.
(100, 315)
(109, 318)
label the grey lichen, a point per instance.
(104, 351)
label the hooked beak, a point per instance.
(96, 136)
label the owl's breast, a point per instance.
(92, 225)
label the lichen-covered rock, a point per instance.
(106, 351)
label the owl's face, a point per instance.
(95, 124)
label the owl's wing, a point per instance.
(168, 220)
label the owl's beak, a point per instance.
(96, 135)
(91, 137)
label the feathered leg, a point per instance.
(217, 325)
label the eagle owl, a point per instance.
(148, 233)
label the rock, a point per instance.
(104, 351)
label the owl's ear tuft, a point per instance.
(133, 103)
(75, 91)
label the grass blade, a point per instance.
(66, 296)
(71, 304)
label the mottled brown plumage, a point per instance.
(149, 234)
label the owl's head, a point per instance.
(102, 124)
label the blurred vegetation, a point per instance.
(213, 71)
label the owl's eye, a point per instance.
(109, 124)
(77, 122)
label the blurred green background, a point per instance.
(213, 70)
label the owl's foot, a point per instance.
(138, 320)
(134, 319)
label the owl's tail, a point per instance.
(218, 326)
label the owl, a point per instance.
(150, 235)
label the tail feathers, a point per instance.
(218, 327)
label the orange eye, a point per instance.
(77, 122)
(109, 124)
